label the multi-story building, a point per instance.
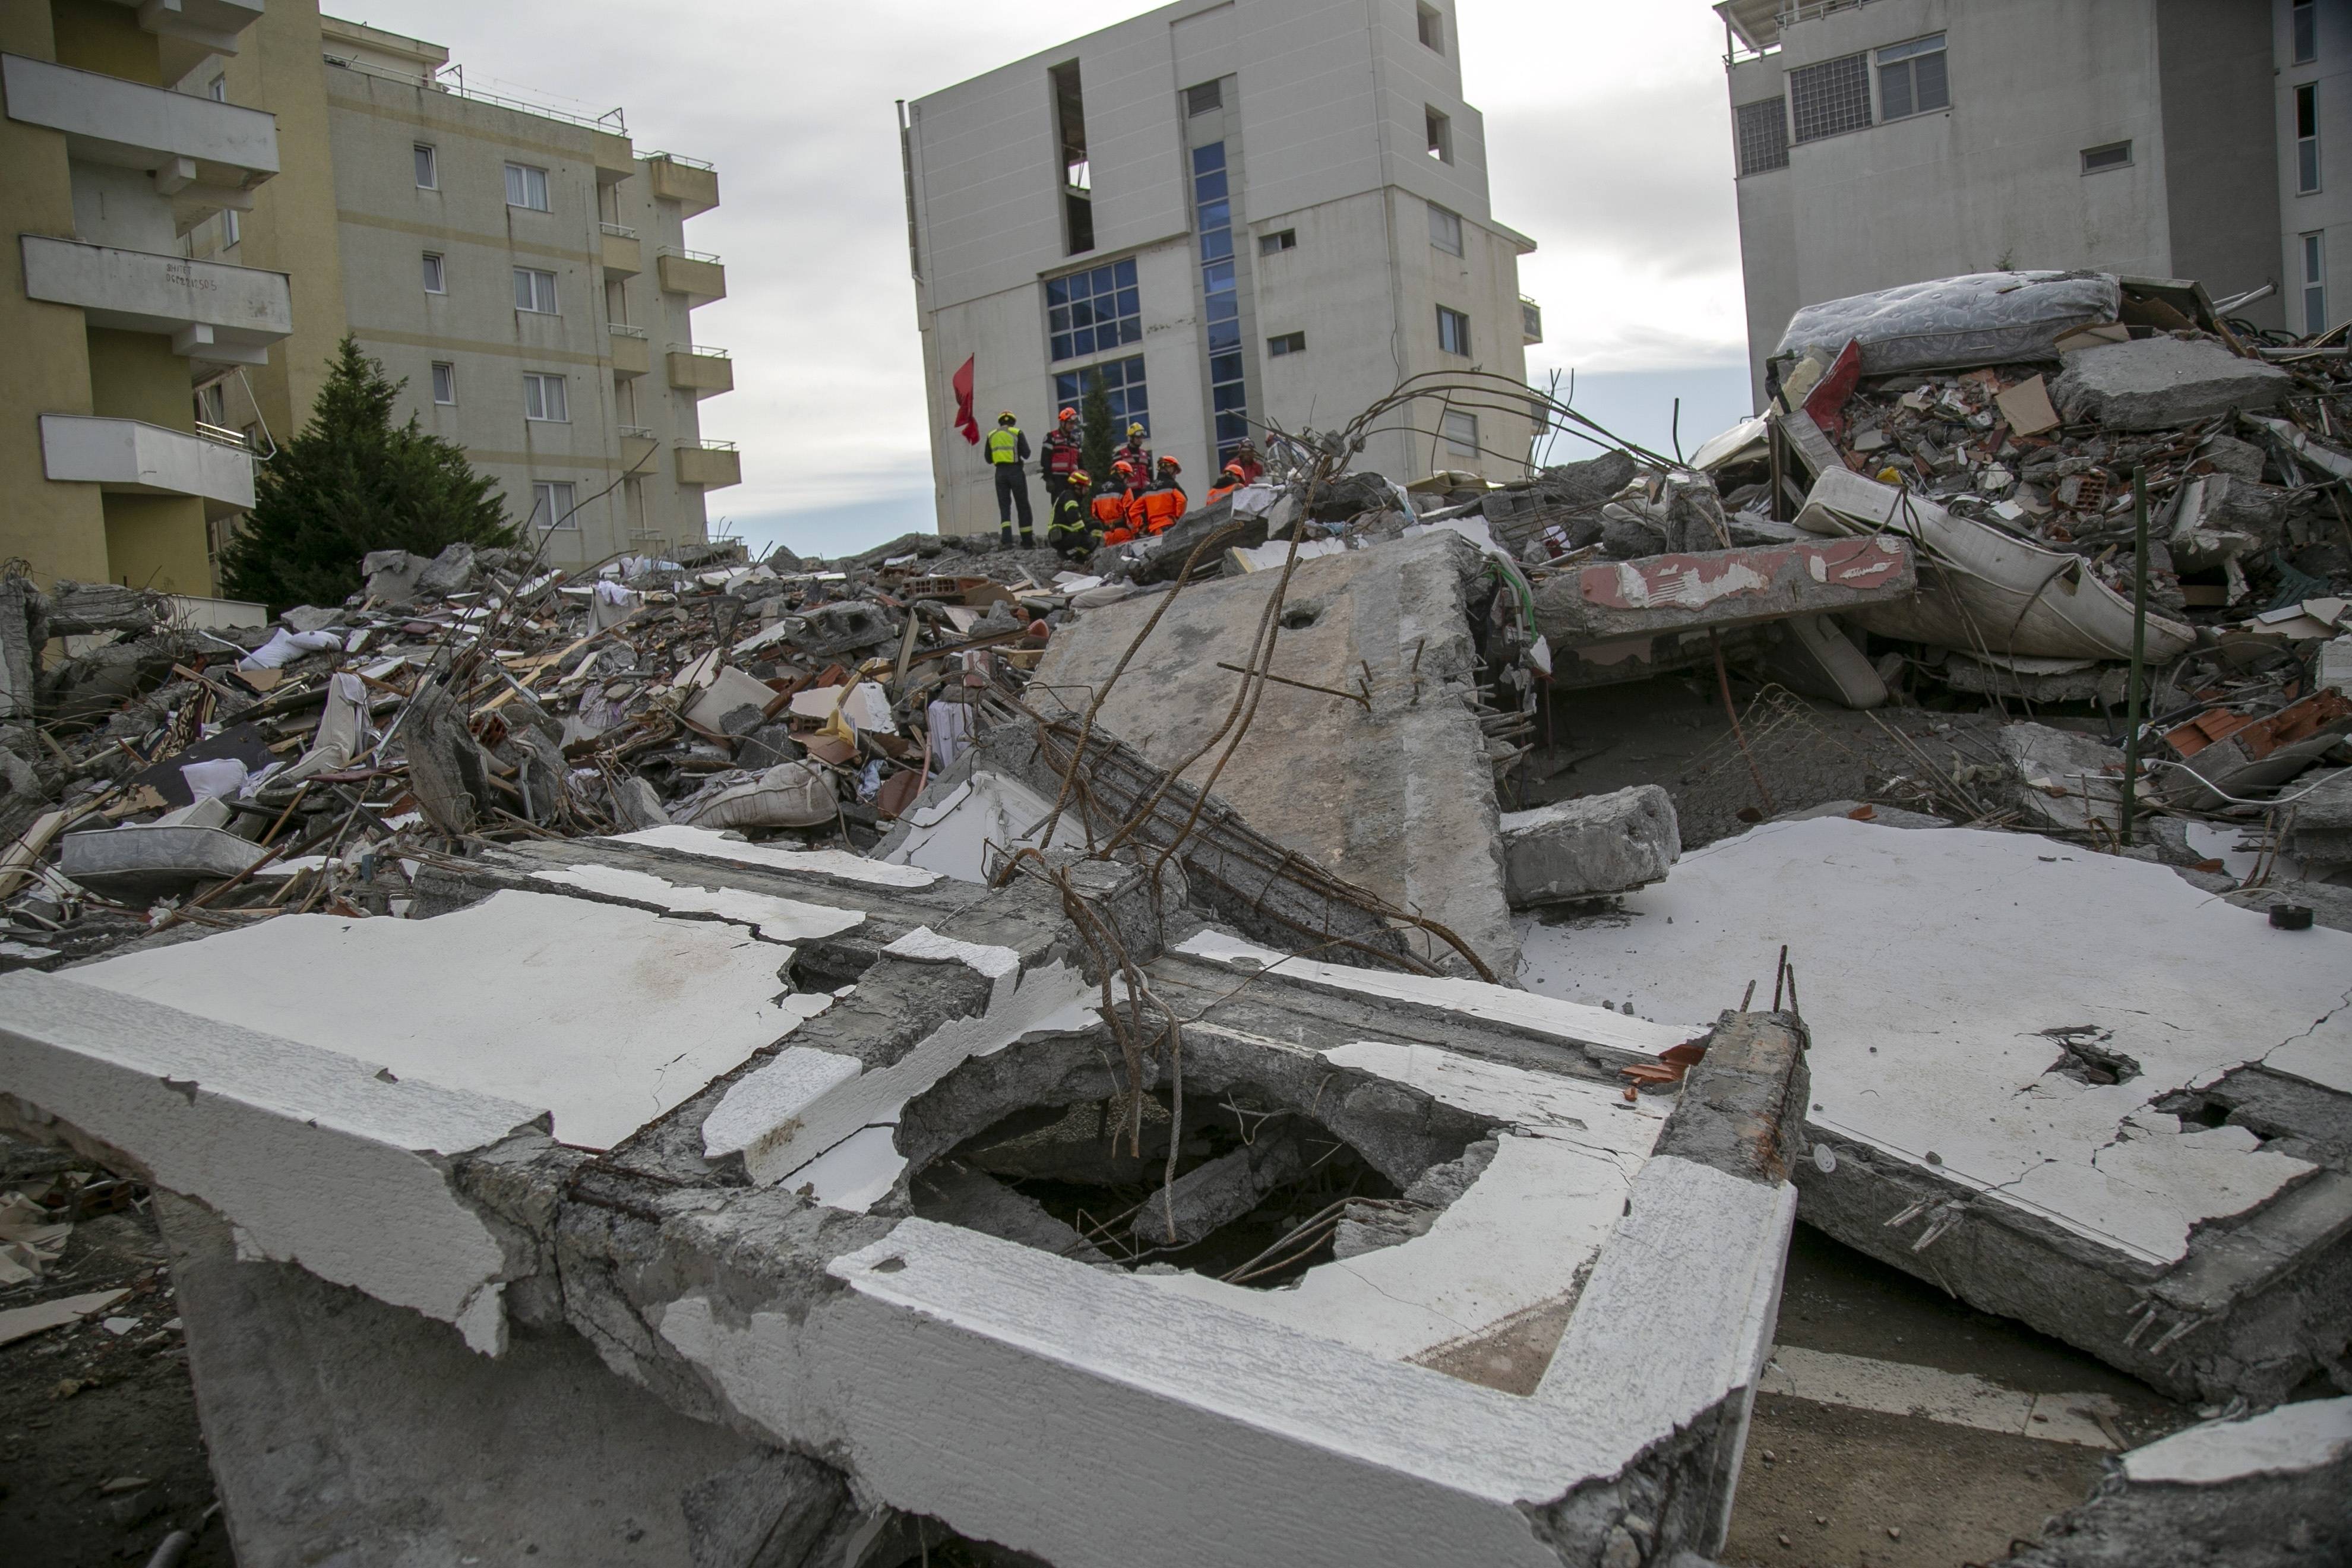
(1237, 213)
(1882, 142)
(522, 269)
(110, 477)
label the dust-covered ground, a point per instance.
(101, 1456)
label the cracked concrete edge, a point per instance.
(2247, 1312)
(1742, 1105)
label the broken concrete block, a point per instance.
(451, 572)
(2223, 754)
(19, 662)
(2159, 383)
(1988, 1119)
(309, 618)
(391, 575)
(1217, 1191)
(1589, 847)
(2273, 1490)
(2221, 517)
(2061, 781)
(2030, 680)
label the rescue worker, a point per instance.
(1164, 503)
(1070, 527)
(1135, 453)
(1252, 466)
(1231, 479)
(1008, 448)
(1111, 502)
(1059, 457)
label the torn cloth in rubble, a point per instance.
(342, 730)
(1980, 318)
(790, 795)
(284, 647)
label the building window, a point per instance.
(1432, 24)
(2306, 137)
(1274, 243)
(1123, 384)
(1830, 99)
(2113, 155)
(1221, 294)
(1087, 312)
(1287, 343)
(1078, 180)
(2314, 284)
(1444, 229)
(1531, 323)
(445, 382)
(428, 172)
(1207, 97)
(543, 398)
(1763, 134)
(435, 278)
(218, 89)
(551, 504)
(1911, 78)
(212, 404)
(1453, 331)
(232, 228)
(1461, 433)
(2306, 32)
(534, 290)
(527, 187)
(1441, 134)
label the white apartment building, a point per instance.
(1236, 213)
(521, 268)
(1882, 142)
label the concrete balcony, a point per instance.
(692, 183)
(623, 256)
(693, 273)
(704, 371)
(638, 446)
(190, 29)
(633, 355)
(212, 311)
(127, 457)
(713, 465)
(204, 155)
(617, 160)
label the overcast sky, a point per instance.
(1608, 141)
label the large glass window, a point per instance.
(551, 504)
(534, 290)
(1763, 135)
(1445, 229)
(1122, 384)
(1212, 207)
(543, 397)
(1087, 312)
(1454, 331)
(1830, 97)
(2306, 31)
(2314, 284)
(1911, 78)
(2306, 137)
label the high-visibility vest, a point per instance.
(1163, 506)
(1070, 517)
(1004, 444)
(1110, 508)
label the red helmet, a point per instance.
(1123, 467)
(1235, 469)
(1171, 463)
(1069, 414)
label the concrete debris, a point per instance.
(2268, 1491)
(1585, 848)
(2162, 382)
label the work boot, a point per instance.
(1004, 540)
(1028, 540)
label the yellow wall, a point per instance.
(158, 541)
(97, 35)
(58, 527)
(292, 226)
(135, 375)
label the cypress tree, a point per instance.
(350, 483)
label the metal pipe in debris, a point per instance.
(2137, 695)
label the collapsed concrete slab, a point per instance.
(2067, 1087)
(1555, 1364)
(2162, 383)
(1589, 847)
(1387, 784)
(1628, 620)
(2271, 1491)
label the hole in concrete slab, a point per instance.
(1298, 617)
(1262, 1193)
(2194, 1109)
(2084, 1056)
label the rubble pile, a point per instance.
(164, 775)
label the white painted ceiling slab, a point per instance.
(1929, 967)
(605, 1016)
